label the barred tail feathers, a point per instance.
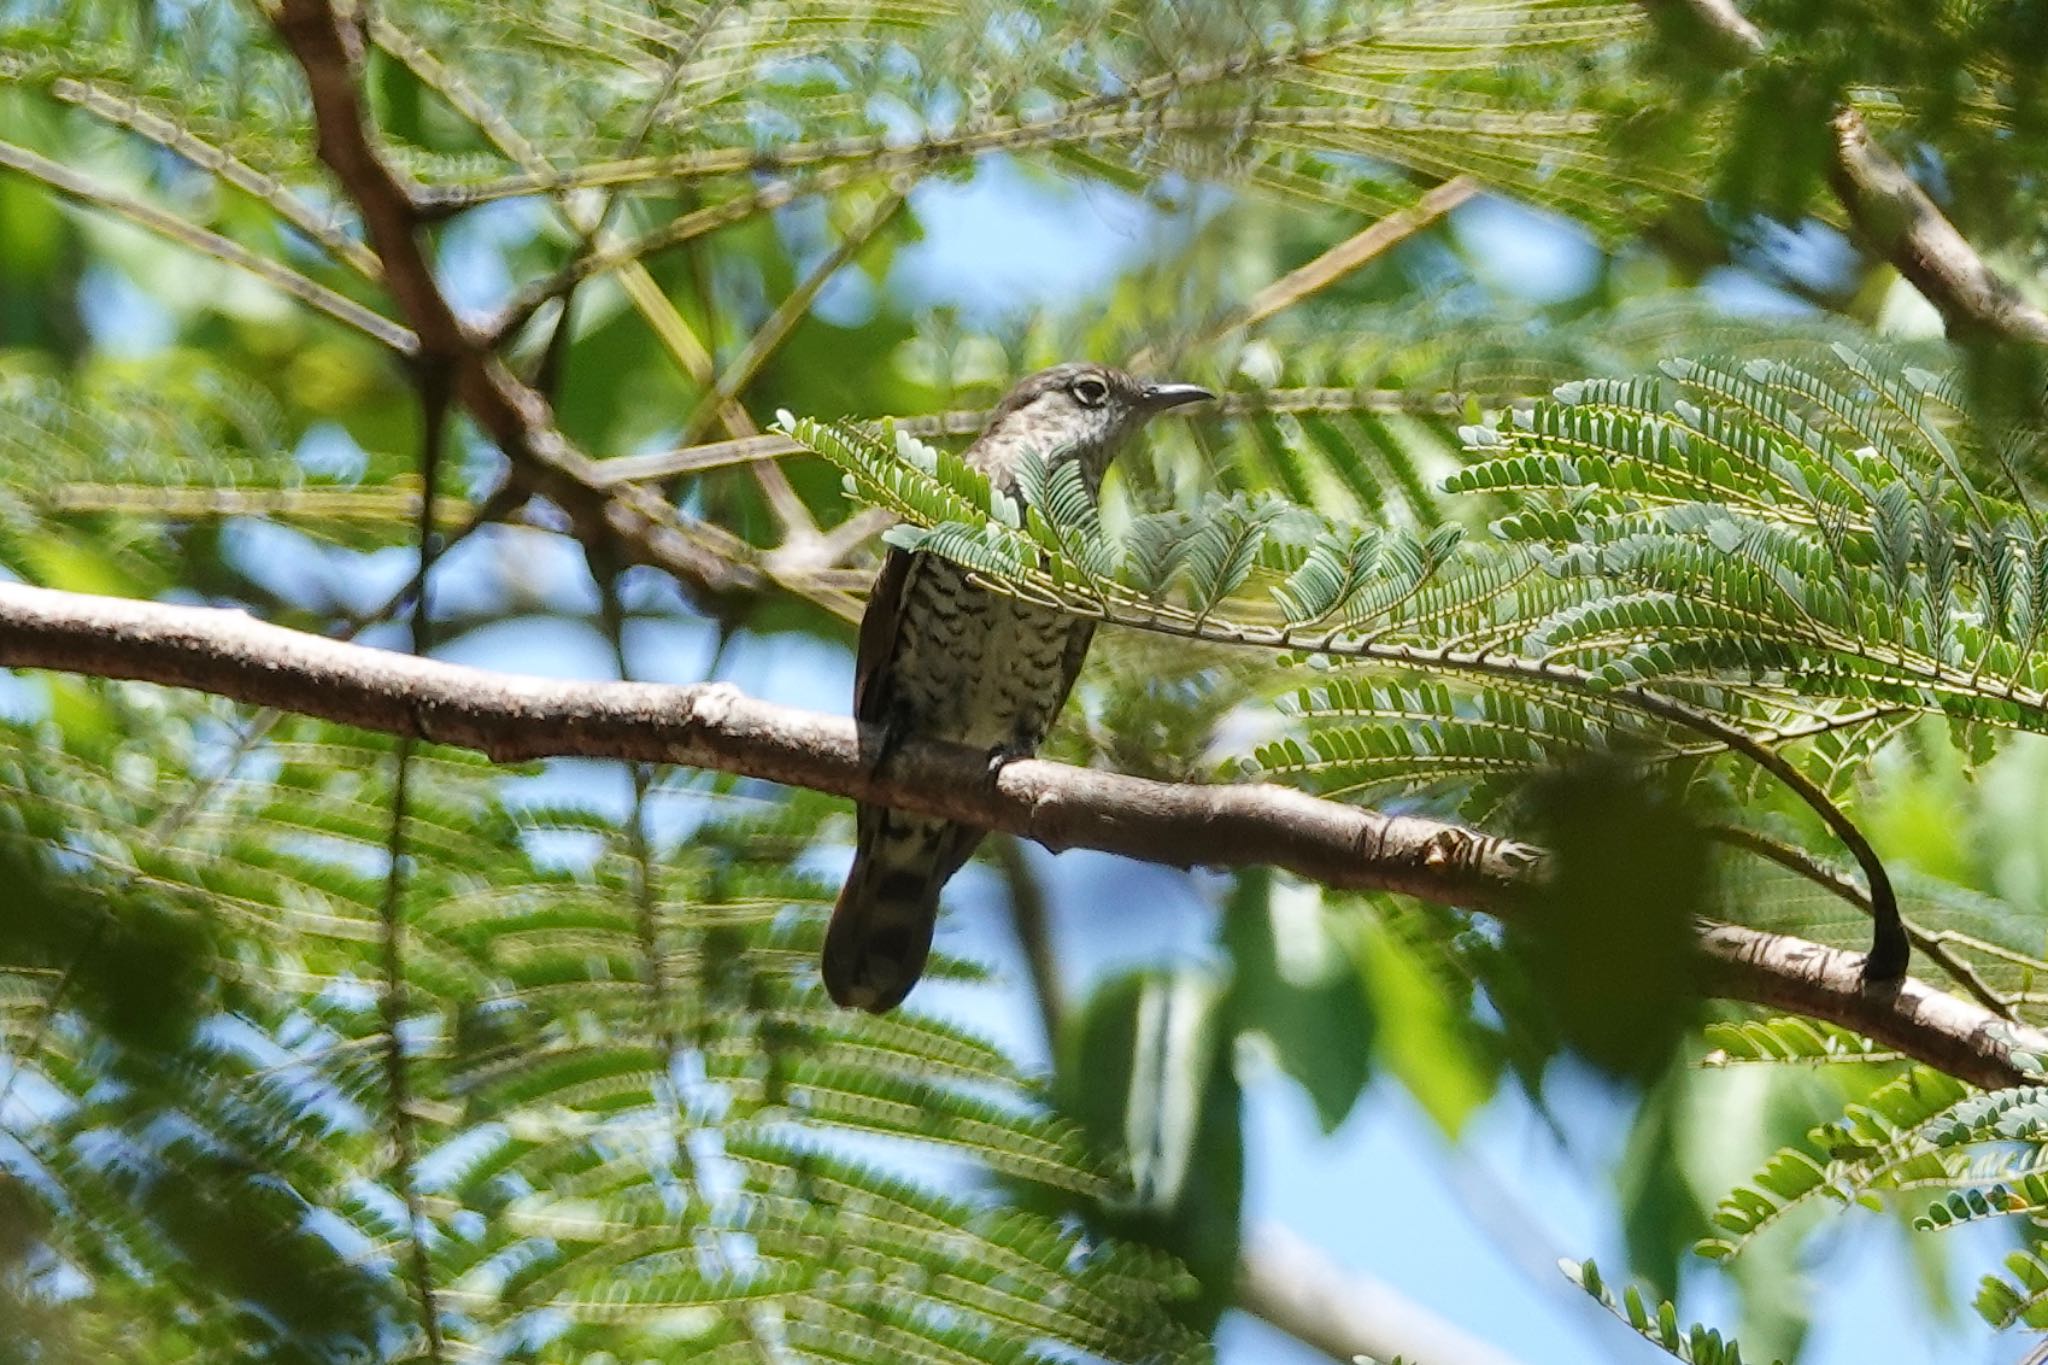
(881, 930)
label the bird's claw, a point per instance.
(1002, 755)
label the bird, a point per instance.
(941, 657)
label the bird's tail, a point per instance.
(881, 930)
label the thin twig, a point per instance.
(1348, 255)
(1367, 244)
(1033, 925)
(72, 185)
(393, 997)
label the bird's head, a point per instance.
(1079, 411)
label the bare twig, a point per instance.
(394, 996)
(1028, 916)
(717, 727)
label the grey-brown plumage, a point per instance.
(941, 658)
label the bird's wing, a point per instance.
(877, 643)
(1079, 635)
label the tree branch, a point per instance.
(709, 561)
(1290, 1284)
(1893, 215)
(1903, 225)
(717, 727)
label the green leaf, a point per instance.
(1146, 1067)
(1694, 1345)
(1420, 1038)
(1294, 980)
(1610, 944)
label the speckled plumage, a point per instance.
(942, 658)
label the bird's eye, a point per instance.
(1092, 392)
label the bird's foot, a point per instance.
(1002, 755)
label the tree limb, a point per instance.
(717, 727)
(1895, 216)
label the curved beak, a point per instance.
(1160, 397)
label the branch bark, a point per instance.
(1898, 220)
(717, 727)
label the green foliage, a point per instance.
(1147, 1072)
(1980, 1154)
(1609, 945)
(1902, 1136)
(1787, 1039)
(1295, 980)
(1695, 1345)
(630, 1111)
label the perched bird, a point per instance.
(940, 658)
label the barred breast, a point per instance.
(977, 667)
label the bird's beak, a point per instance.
(1160, 397)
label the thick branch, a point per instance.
(1945, 1031)
(717, 727)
